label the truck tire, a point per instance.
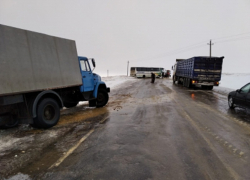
(48, 113)
(102, 98)
(70, 105)
(12, 123)
(189, 85)
(178, 80)
(184, 82)
(173, 79)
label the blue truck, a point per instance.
(198, 71)
(40, 74)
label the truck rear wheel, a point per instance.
(48, 113)
(178, 80)
(184, 82)
(189, 83)
(102, 98)
(13, 122)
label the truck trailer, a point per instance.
(40, 74)
(198, 71)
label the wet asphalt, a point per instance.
(154, 131)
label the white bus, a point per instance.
(144, 72)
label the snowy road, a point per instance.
(149, 131)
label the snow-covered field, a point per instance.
(230, 82)
(234, 81)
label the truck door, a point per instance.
(87, 77)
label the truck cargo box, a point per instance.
(200, 68)
(31, 61)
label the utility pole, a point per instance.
(210, 44)
(127, 68)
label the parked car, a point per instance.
(240, 97)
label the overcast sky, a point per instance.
(143, 32)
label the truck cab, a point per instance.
(93, 89)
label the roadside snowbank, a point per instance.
(234, 80)
(115, 81)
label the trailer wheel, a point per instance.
(189, 83)
(70, 105)
(102, 98)
(48, 113)
(184, 82)
(178, 80)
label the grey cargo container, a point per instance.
(23, 68)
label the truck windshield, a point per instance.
(84, 66)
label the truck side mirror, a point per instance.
(93, 62)
(172, 68)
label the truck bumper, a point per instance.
(108, 89)
(207, 84)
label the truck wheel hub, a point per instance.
(49, 112)
(100, 97)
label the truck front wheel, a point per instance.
(102, 98)
(48, 113)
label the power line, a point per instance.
(236, 39)
(174, 51)
(169, 53)
(231, 36)
(196, 45)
